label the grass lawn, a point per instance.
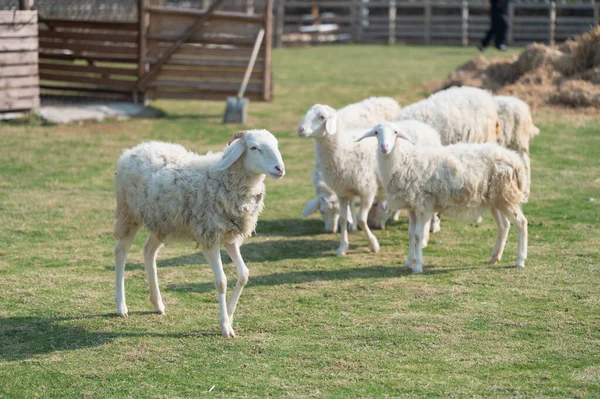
(309, 324)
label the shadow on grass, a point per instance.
(25, 337)
(290, 227)
(270, 250)
(165, 115)
(307, 276)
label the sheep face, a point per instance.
(329, 208)
(319, 121)
(378, 215)
(386, 134)
(262, 153)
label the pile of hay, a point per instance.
(568, 74)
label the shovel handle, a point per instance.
(257, 43)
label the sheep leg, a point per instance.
(421, 227)
(352, 215)
(121, 251)
(503, 227)
(213, 256)
(344, 244)
(425, 237)
(243, 273)
(396, 215)
(412, 220)
(518, 219)
(365, 204)
(153, 245)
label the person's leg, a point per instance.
(489, 34)
(501, 29)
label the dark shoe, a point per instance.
(501, 47)
(480, 48)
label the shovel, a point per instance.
(236, 109)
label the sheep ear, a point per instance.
(310, 208)
(405, 137)
(370, 133)
(331, 124)
(235, 150)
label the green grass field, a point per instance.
(309, 324)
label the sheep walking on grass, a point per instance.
(179, 195)
(460, 179)
(349, 168)
(362, 114)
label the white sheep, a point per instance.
(516, 128)
(327, 203)
(460, 179)
(362, 114)
(212, 199)
(460, 114)
(349, 168)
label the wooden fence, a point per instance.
(19, 82)
(169, 53)
(427, 21)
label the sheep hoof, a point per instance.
(122, 311)
(227, 332)
(160, 311)
(424, 243)
(374, 246)
(417, 269)
(520, 265)
(341, 251)
(407, 265)
(493, 260)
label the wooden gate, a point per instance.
(191, 54)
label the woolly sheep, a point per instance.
(326, 202)
(349, 168)
(423, 135)
(517, 128)
(212, 199)
(362, 114)
(460, 114)
(460, 179)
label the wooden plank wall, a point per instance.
(211, 64)
(429, 21)
(19, 81)
(88, 58)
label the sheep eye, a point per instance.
(395, 132)
(322, 117)
(376, 132)
(254, 148)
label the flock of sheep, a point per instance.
(457, 153)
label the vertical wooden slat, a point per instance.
(596, 6)
(427, 20)
(511, 23)
(551, 22)
(25, 4)
(280, 23)
(465, 23)
(268, 43)
(392, 22)
(142, 26)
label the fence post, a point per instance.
(511, 23)
(596, 6)
(551, 22)
(140, 97)
(392, 22)
(250, 7)
(280, 23)
(356, 14)
(25, 4)
(268, 42)
(465, 23)
(427, 21)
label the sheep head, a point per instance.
(386, 134)
(261, 149)
(319, 121)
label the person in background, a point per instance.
(499, 25)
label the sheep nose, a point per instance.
(300, 130)
(384, 147)
(279, 169)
